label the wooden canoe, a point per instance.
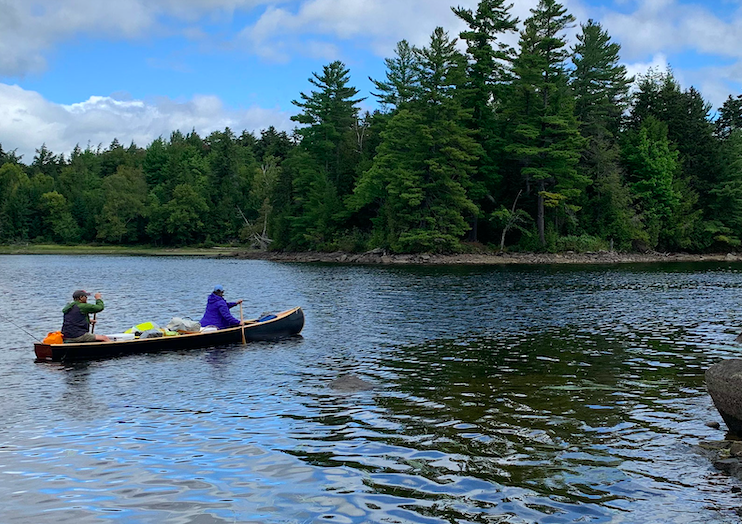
(285, 324)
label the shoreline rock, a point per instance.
(723, 381)
(725, 455)
(381, 257)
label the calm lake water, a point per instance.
(501, 395)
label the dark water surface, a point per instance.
(502, 395)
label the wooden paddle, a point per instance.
(242, 326)
(92, 326)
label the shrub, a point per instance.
(580, 244)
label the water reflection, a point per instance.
(558, 426)
(512, 395)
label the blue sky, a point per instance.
(88, 71)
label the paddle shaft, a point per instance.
(92, 326)
(242, 326)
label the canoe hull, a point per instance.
(286, 324)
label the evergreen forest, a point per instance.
(548, 146)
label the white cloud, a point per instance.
(27, 120)
(637, 69)
(669, 25)
(29, 29)
(651, 34)
(281, 33)
(703, 50)
(715, 83)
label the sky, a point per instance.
(83, 72)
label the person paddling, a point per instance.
(217, 311)
(76, 324)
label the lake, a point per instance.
(517, 394)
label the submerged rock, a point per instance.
(724, 384)
(723, 455)
(350, 383)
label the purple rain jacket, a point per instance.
(217, 313)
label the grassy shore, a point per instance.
(52, 249)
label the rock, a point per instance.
(735, 450)
(715, 444)
(730, 466)
(350, 383)
(713, 424)
(724, 384)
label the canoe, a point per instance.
(285, 324)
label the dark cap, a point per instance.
(79, 294)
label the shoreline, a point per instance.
(382, 258)
(378, 256)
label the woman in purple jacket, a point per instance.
(217, 311)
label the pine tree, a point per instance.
(489, 70)
(16, 205)
(230, 173)
(122, 217)
(323, 167)
(725, 211)
(331, 115)
(691, 131)
(601, 90)
(599, 82)
(402, 78)
(547, 141)
(420, 174)
(653, 167)
(729, 120)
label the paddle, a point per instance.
(242, 326)
(92, 324)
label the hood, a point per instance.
(66, 308)
(213, 298)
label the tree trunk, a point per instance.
(510, 223)
(473, 232)
(540, 216)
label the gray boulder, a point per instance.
(724, 384)
(350, 384)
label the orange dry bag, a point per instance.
(55, 337)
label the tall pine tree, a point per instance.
(601, 90)
(419, 177)
(546, 139)
(489, 70)
(402, 82)
(323, 168)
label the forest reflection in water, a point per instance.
(505, 395)
(555, 426)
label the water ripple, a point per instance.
(498, 395)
